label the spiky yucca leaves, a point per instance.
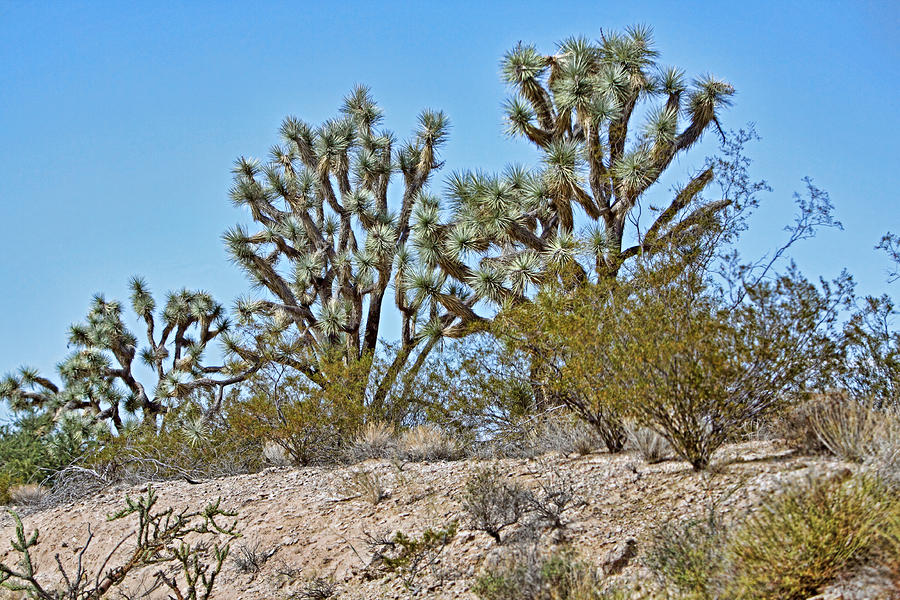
(328, 246)
(510, 233)
(98, 378)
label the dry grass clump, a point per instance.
(848, 429)
(367, 485)
(28, 494)
(649, 445)
(884, 458)
(375, 440)
(429, 443)
(563, 434)
(794, 426)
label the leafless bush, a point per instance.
(428, 443)
(250, 559)
(554, 495)
(649, 445)
(318, 588)
(75, 482)
(493, 503)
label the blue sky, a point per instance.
(119, 122)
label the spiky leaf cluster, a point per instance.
(510, 232)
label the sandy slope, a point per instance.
(313, 525)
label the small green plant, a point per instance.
(688, 555)
(525, 575)
(195, 541)
(410, 555)
(493, 503)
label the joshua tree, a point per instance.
(98, 378)
(577, 107)
(329, 246)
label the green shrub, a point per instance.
(872, 344)
(807, 536)
(667, 351)
(309, 422)
(525, 575)
(189, 443)
(412, 556)
(688, 555)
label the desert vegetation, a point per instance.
(577, 308)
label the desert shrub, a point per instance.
(492, 502)
(429, 443)
(872, 345)
(526, 575)
(375, 440)
(806, 537)
(34, 449)
(411, 556)
(688, 555)
(649, 445)
(553, 331)
(189, 443)
(471, 388)
(312, 423)
(794, 426)
(194, 542)
(889, 552)
(318, 588)
(667, 350)
(250, 559)
(847, 428)
(554, 494)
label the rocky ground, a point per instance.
(308, 523)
